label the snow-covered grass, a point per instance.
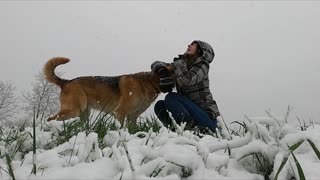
(256, 148)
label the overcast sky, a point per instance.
(267, 53)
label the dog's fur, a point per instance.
(126, 96)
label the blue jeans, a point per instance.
(182, 110)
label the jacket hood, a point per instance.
(208, 53)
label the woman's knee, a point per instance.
(159, 106)
(171, 97)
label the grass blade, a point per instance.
(34, 170)
(295, 146)
(300, 171)
(10, 167)
(156, 171)
(72, 149)
(284, 161)
(315, 149)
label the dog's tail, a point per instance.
(50, 67)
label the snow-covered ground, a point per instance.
(249, 153)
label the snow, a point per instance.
(166, 154)
(223, 144)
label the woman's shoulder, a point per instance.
(200, 62)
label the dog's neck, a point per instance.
(155, 81)
(152, 77)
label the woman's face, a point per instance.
(192, 49)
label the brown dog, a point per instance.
(125, 96)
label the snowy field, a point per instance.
(257, 148)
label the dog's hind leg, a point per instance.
(64, 115)
(73, 103)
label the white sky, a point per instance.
(267, 53)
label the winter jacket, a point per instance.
(192, 79)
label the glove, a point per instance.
(166, 80)
(157, 65)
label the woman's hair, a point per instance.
(199, 50)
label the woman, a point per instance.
(193, 102)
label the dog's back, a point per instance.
(112, 81)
